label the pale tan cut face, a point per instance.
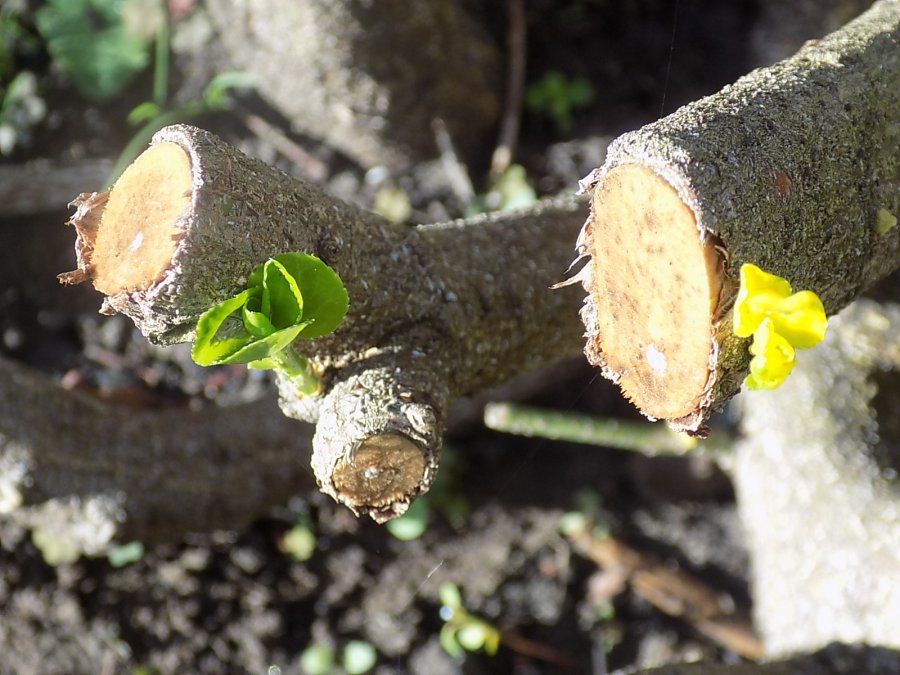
(138, 234)
(385, 469)
(655, 291)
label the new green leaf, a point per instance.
(290, 296)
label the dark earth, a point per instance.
(232, 602)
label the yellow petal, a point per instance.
(800, 319)
(773, 358)
(759, 292)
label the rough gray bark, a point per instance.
(369, 78)
(818, 490)
(788, 169)
(67, 458)
(436, 312)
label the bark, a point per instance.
(370, 78)
(819, 496)
(68, 458)
(436, 312)
(789, 169)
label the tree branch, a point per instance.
(789, 169)
(158, 474)
(436, 312)
(369, 78)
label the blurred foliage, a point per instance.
(462, 630)
(93, 44)
(21, 107)
(558, 97)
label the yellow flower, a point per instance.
(798, 317)
(779, 321)
(773, 358)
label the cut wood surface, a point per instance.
(436, 312)
(787, 169)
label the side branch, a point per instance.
(436, 312)
(793, 168)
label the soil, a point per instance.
(232, 602)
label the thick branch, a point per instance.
(369, 78)
(436, 312)
(158, 474)
(792, 168)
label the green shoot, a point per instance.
(290, 296)
(462, 630)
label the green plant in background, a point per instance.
(317, 660)
(104, 44)
(558, 97)
(125, 554)
(300, 540)
(357, 658)
(462, 630)
(779, 321)
(155, 113)
(412, 524)
(94, 45)
(510, 191)
(13, 36)
(392, 203)
(21, 107)
(290, 296)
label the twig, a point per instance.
(312, 167)
(645, 437)
(673, 592)
(456, 171)
(515, 83)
